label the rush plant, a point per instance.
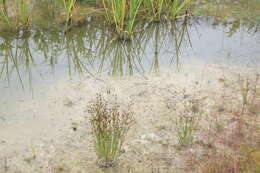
(23, 12)
(134, 6)
(109, 127)
(177, 6)
(116, 13)
(122, 14)
(3, 13)
(68, 6)
(154, 8)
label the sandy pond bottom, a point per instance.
(52, 134)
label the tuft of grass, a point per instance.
(109, 127)
(16, 15)
(177, 6)
(185, 129)
(4, 17)
(134, 6)
(116, 13)
(154, 8)
(122, 14)
(219, 162)
(68, 6)
(24, 12)
(248, 90)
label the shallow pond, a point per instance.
(32, 62)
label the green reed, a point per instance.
(122, 14)
(3, 6)
(154, 8)
(134, 6)
(24, 12)
(3, 13)
(116, 13)
(177, 6)
(68, 6)
(16, 15)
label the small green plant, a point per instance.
(154, 8)
(16, 15)
(68, 6)
(109, 127)
(248, 90)
(3, 13)
(122, 14)
(244, 88)
(24, 13)
(3, 5)
(177, 6)
(185, 129)
(116, 13)
(134, 6)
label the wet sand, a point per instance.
(52, 133)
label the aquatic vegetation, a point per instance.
(134, 7)
(15, 16)
(122, 14)
(23, 12)
(4, 17)
(116, 13)
(168, 8)
(178, 6)
(154, 8)
(109, 127)
(68, 6)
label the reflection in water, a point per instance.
(88, 49)
(92, 49)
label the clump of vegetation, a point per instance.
(185, 129)
(219, 161)
(16, 15)
(244, 160)
(177, 6)
(68, 6)
(249, 91)
(109, 127)
(122, 14)
(23, 12)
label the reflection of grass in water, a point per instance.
(16, 56)
(90, 51)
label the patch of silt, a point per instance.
(212, 96)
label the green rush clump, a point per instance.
(109, 128)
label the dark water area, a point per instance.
(29, 62)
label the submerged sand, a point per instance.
(52, 134)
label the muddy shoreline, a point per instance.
(53, 134)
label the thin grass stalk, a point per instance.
(3, 13)
(68, 6)
(134, 7)
(178, 5)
